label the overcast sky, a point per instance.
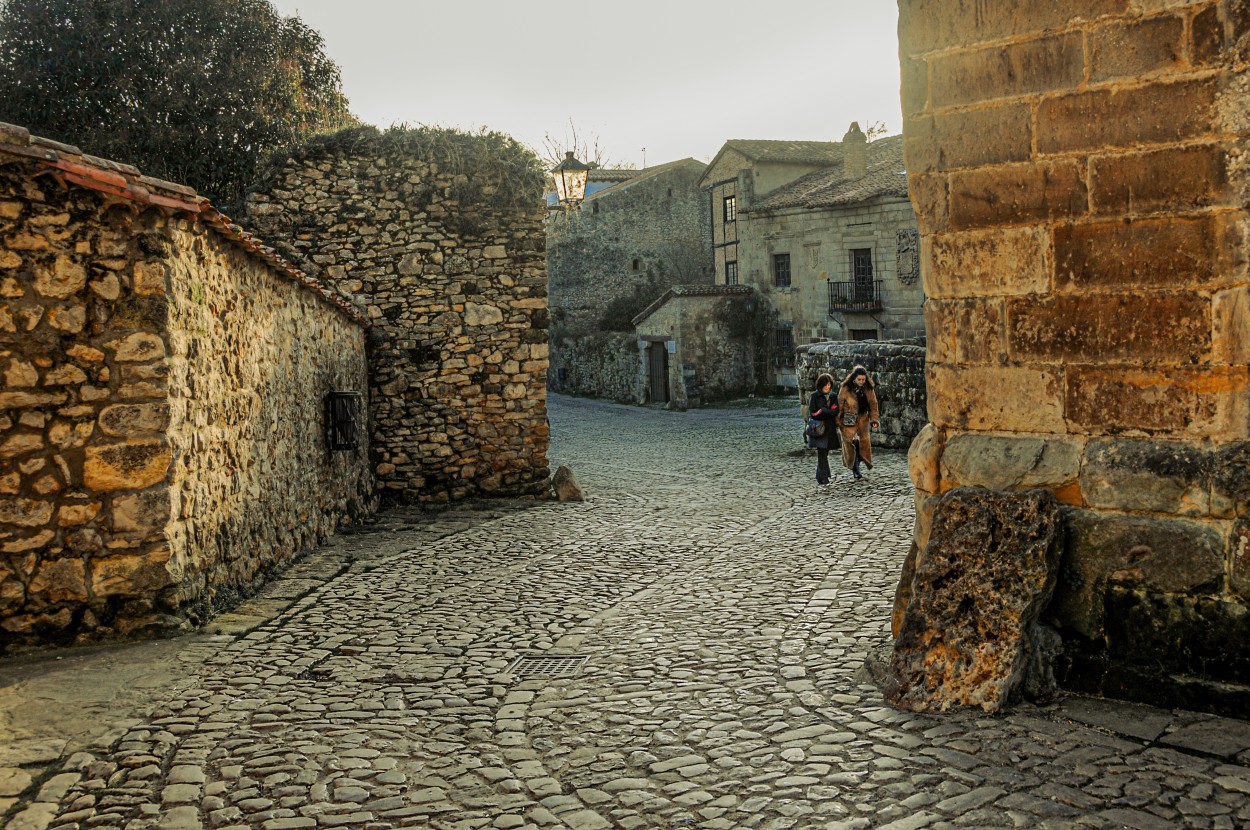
(678, 77)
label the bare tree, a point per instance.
(874, 129)
(587, 149)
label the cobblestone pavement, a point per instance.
(721, 606)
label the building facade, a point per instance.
(825, 232)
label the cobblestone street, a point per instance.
(723, 605)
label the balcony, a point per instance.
(855, 296)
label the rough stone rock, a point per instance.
(565, 485)
(132, 465)
(981, 583)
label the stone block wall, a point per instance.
(898, 370)
(1078, 175)
(432, 234)
(160, 441)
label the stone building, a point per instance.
(165, 438)
(609, 258)
(699, 342)
(1080, 185)
(825, 231)
(439, 236)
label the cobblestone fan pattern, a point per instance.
(724, 605)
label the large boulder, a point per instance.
(980, 584)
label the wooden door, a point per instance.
(657, 365)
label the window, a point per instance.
(863, 334)
(595, 208)
(784, 342)
(731, 273)
(636, 265)
(731, 208)
(861, 270)
(781, 270)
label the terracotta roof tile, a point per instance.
(125, 182)
(829, 187)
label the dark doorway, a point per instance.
(657, 371)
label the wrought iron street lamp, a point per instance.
(570, 178)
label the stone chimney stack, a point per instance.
(854, 152)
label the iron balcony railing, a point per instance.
(855, 296)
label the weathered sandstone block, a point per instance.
(130, 573)
(1230, 477)
(25, 512)
(127, 420)
(923, 458)
(1035, 405)
(979, 587)
(1157, 477)
(139, 346)
(1163, 555)
(65, 279)
(1002, 462)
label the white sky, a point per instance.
(678, 77)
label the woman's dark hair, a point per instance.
(824, 378)
(858, 370)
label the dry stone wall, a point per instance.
(453, 278)
(159, 385)
(1079, 178)
(251, 361)
(897, 369)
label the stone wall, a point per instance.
(433, 234)
(897, 369)
(1079, 179)
(602, 365)
(160, 440)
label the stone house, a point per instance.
(608, 259)
(698, 342)
(825, 231)
(179, 407)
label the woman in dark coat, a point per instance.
(822, 407)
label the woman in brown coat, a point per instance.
(857, 408)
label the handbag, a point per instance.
(849, 418)
(815, 428)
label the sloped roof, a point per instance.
(610, 174)
(124, 183)
(644, 175)
(799, 152)
(691, 291)
(829, 187)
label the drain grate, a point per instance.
(532, 665)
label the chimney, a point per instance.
(854, 152)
